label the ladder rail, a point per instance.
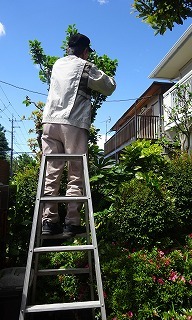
(90, 263)
(38, 240)
(94, 239)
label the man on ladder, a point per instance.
(66, 124)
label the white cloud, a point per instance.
(2, 29)
(103, 1)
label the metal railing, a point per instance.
(138, 127)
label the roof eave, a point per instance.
(161, 71)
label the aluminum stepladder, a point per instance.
(36, 248)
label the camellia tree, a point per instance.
(45, 63)
(162, 15)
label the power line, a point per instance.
(131, 99)
(21, 88)
(9, 130)
(5, 113)
(5, 107)
(44, 94)
(21, 152)
(10, 104)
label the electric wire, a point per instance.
(21, 88)
(13, 107)
(12, 120)
(43, 94)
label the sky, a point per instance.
(113, 29)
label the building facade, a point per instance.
(143, 120)
(175, 66)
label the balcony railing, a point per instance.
(138, 127)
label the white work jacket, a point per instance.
(68, 102)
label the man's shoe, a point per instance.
(50, 228)
(70, 231)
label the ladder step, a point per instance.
(44, 272)
(63, 199)
(63, 248)
(63, 306)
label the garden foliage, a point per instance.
(143, 222)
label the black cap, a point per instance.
(79, 40)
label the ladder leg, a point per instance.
(38, 242)
(90, 260)
(94, 240)
(32, 241)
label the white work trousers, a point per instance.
(62, 138)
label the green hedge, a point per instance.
(143, 217)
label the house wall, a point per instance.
(186, 69)
(168, 97)
(152, 105)
(155, 106)
(168, 100)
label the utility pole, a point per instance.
(106, 131)
(11, 158)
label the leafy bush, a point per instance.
(143, 155)
(179, 182)
(22, 202)
(147, 284)
(150, 208)
(141, 160)
(143, 214)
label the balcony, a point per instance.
(138, 127)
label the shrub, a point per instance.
(151, 208)
(179, 182)
(142, 215)
(143, 155)
(22, 202)
(147, 284)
